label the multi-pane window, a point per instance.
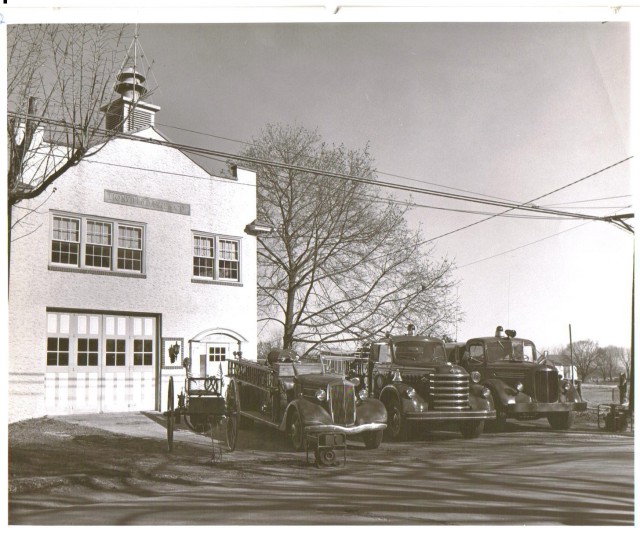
(228, 260)
(217, 354)
(203, 252)
(87, 351)
(103, 245)
(216, 258)
(116, 350)
(57, 351)
(129, 248)
(142, 352)
(65, 242)
(98, 247)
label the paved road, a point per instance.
(528, 475)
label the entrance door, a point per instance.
(217, 354)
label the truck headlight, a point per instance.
(355, 381)
(486, 393)
(363, 394)
(519, 387)
(321, 395)
(475, 376)
(566, 385)
(411, 393)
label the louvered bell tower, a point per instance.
(130, 112)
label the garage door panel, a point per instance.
(100, 363)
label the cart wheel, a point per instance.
(233, 415)
(171, 415)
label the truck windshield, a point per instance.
(418, 353)
(510, 349)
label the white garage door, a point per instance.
(100, 363)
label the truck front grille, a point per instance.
(342, 400)
(449, 391)
(545, 385)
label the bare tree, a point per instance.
(625, 360)
(607, 362)
(615, 359)
(58, 78)
(267, 344)
(342, 264)
(586, 354)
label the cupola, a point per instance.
(130, 112)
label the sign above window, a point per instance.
(149, 203)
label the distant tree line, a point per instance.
(594, 362)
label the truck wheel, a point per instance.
(296, 431)
(561, 420)
(372, 439)
(397, 425)
(472, 429)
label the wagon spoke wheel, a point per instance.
(171, 415)
(233, 415)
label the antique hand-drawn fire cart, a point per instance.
(203, 408)
(317, 410)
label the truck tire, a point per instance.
(372, 439)
(397, 425)
(296, 431)
(472, 429)
(561, 420)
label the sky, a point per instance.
(508, 110)
(511, 110)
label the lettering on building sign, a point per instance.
(149, 203)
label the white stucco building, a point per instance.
(137, 250)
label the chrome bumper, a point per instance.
(333, 428)
(434, 416)
(544, 408)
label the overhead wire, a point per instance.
(528, 244)
(527, 206)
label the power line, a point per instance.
(532, 243)
(589, 200)
(523, 246)
(259, 161)
(247, 143)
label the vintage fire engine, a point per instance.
(411, 376)
(316, 409)
(523, 386)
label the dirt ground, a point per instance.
(116, 469)
(62, 453)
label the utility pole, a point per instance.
(571, 353)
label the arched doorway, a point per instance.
(210, 350)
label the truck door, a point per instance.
(474, 358)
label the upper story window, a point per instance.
(216, 258)
(65, 242)
(98, 250)
(87, 242)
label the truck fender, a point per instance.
(310, 413)
(500, 392)
(398, 391)
(371, 411)
(476, 400)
